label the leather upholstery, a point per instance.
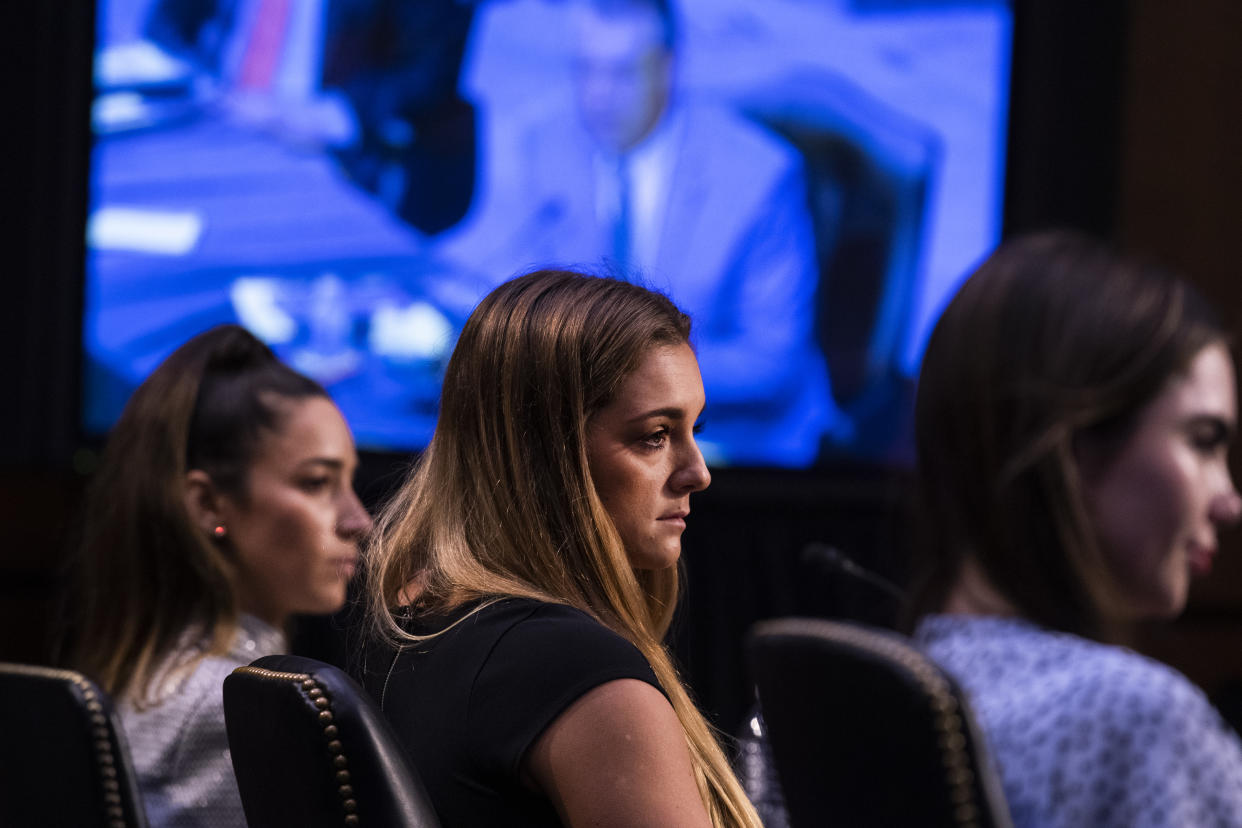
(65, 761)
(865, 730)
(311, 749)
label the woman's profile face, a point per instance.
(643, 456)
(1157, 504)
(296, 532)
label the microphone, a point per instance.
(831, 559)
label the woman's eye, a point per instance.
(315, 484)
(657, 438)
(1209, 445)
(1210, 438)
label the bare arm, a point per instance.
(618, 757)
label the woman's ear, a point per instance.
(202, 501)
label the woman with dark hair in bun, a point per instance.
(223, 505)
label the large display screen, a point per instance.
(809, 179)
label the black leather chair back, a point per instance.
(65, 761)
(865, 730)
(311, 749)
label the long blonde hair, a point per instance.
(502, 502)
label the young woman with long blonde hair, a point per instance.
(524, 577)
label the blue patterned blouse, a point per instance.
(1087, 734)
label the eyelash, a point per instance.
(659, 437)
(1210, 440)
(1209, 444)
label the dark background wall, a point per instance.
(1125, 121)
(46, 49)
(1180, 199)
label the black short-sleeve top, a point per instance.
(469, 703)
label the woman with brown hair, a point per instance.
(524, 577)
(1073, 420)
(223, 505)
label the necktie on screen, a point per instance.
(621, 227)
(263, 47)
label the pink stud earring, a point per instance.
(218, 531)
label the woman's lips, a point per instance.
(677, 519)
(1200, 558)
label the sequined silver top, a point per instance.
(179, 748)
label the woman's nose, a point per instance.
(355, 520)
(693, 476)
(1227, 507)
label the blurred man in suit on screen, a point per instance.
(692, 199)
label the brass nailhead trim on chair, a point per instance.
(949, 723)
(323, 703)
(104, 759)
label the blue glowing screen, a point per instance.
(810, 179)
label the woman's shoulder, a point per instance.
(189, 683)
(1069, 719)
(553, 618)
(179, 719)
(1011, 666)
(497, 639)
(556, 636)
(554, 653)
(1012, 646)
(502, 617)
(512, 610)
(506, 668)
